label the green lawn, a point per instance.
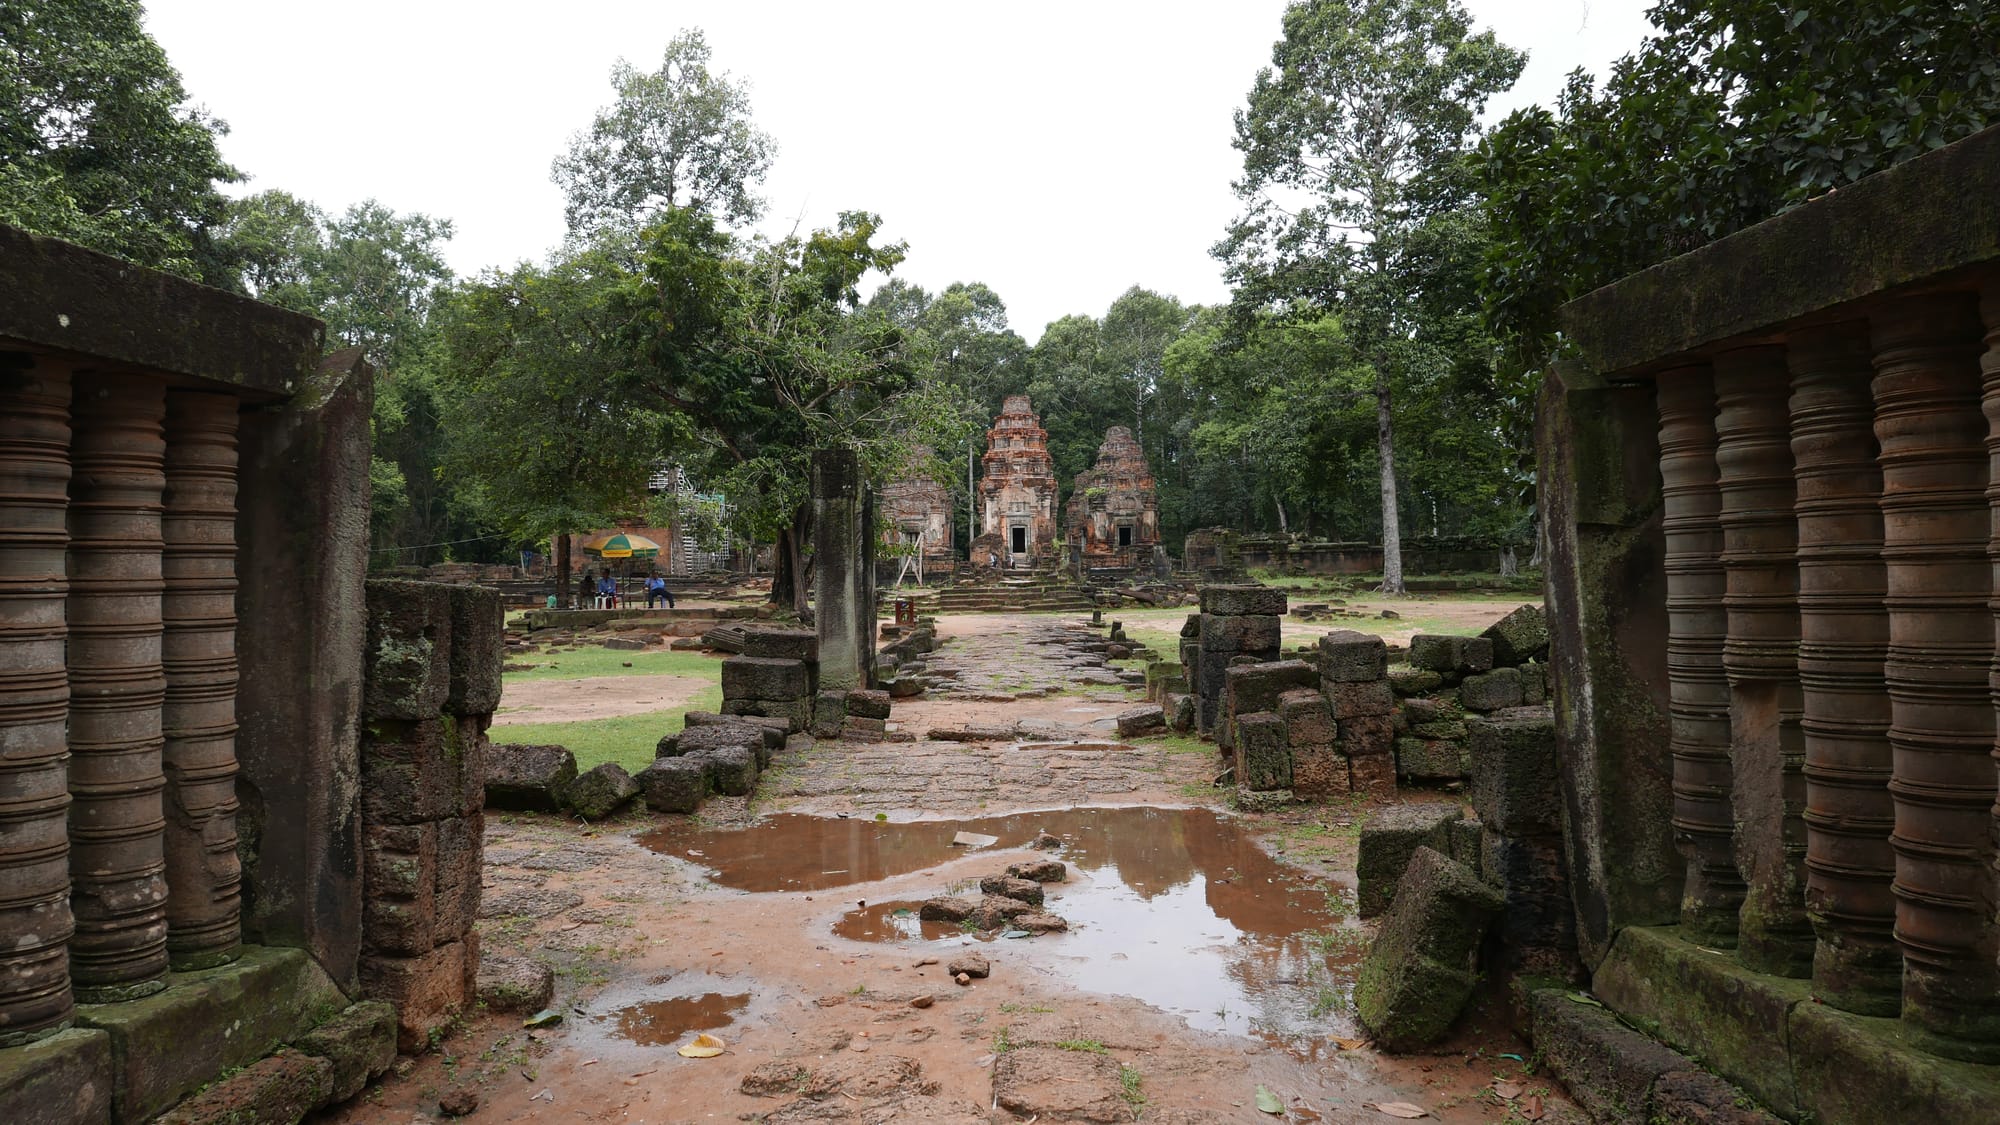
(585, 663)
(628, 740)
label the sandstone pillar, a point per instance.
(1935, 527)
(302, 503)
(116, 684)
(843, 571)
(35, 921)
(1697, 624)
(1843, 639)
(1766, 745)
(199, 654)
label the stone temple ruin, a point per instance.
(239, 800)
(1017, 490)
(1113, 515)
(1770, 487)
(918, 509)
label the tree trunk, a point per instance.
(1284, 525)
(561, 543)
(791, 582)
(1385, 446)
(1508, 567)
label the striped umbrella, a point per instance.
(622, 546)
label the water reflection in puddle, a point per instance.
(665, 1012)
(1179, 908)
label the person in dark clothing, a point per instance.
(586, 590)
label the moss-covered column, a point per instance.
(35, 921)
(116, 685)
(1843, 639)
(843, 570)
(1935, 527)
(1697, 624)
(204, 876)
(1767, 747)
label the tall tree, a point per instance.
(528, 368)
(97, 142)
(1351, 141)
(679, 136)
(764, 352)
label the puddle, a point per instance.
(660, 1023)
(667, 1012)
(1179, 908)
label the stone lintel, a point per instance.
(166, 1046)
(57, 296)
(1915, 222)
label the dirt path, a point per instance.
(600, 697)
(1197, 966)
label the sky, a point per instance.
(1058, 152)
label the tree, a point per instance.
(1735, 111)
(528, 365)
(679, 136)
(97, 143)
(764, 352)
(1351, 141)
(371, 274)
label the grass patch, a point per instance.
(1130, 1081)
(629, 740)
(588, 663)
(1087, 1046)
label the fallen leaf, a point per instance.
(1532, 1108)
(587, 1062)
(544, 1018)
(1580, 998)
(1402, 1109)
(1346, 1044)
(1268, 1101)
(705, 1046)
(1506, 1089)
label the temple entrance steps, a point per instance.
(1013, 596)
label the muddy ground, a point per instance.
(1208, 955)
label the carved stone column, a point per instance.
(35, 922)
(119, 888)
(204, 876)
(1843, 639)
(1767, 746)
(1697, 624)
(1935, 527)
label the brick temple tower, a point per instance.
(1018, 492)
(1114, 511)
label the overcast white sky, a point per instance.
(1059, 152)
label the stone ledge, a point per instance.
(61, 1080)
(1918, 220)
(60, 296)
(1771, 1037)
(166, 1046)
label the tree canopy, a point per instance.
(679, 136)
(98, 144)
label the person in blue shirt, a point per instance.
(656, 587)
(607, 592)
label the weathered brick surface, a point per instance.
(1263, 759)
(407, 660)
(771, 678)
(781, 643)
(1355, 700)
(478, 649)
(1492, 691)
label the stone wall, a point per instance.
(433, 680)
(1768, 487)
(183, 533)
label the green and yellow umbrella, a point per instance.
(622, 546)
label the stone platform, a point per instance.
(1805, 1060)
(129, 1062)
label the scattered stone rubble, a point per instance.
(1423, 965)
(1013, 900)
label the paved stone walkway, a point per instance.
(1042, 657)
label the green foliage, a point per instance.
(528, 363)
(97, 143)
(1353, 172)
(678, 136)
(1735, 111)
